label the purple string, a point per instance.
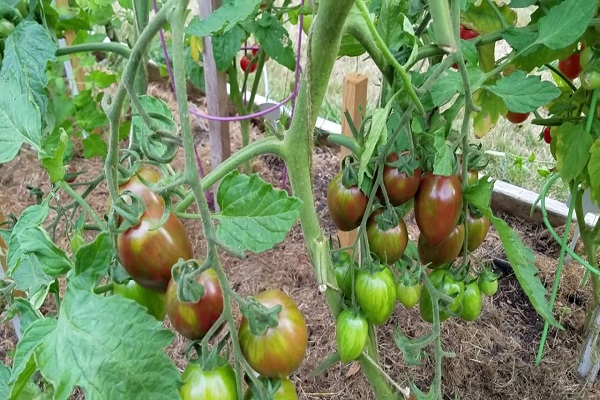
(292, 96)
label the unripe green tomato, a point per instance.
(472, 302)
(488, 286)
(409, 295)
(376, 294)
(307, 22)
(586, 57)
(154, 302)
(351, 333)
(6, 28)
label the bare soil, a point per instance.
(494, 356)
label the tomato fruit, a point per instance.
(346, 205)
(342, 265)
(307, 21)
(438, 205)
(467, 34)
(443, 281)
(477, 229)
(488, 284)
(6, 28)
(376, 294)
(218, 384)
(287, 391)
(193, 320)
(351, 331)
(154, 303)
(248, 65)
(135, 185)
(409, 295)
(472, 302)
(280, 351)
(570, 67)
(399, 186)
(148, 255)
(388, 245)
(516, 118)
(443, 254)
(547, 135)
(70, 176)
(586, 57)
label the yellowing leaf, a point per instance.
(196, 47)
(492, 108)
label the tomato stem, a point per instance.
(111, 47)
(440, 18)
(77, 197)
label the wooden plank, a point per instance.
(354, 100)
(216, 95)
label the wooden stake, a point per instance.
(354, 100)
(215, 83)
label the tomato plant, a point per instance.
(193, 320)
(216, 384)
(346, 205)
(438, 205)
(155, 303)
(351, 331)
(280, 350)
(376, 294)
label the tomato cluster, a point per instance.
(371, 291)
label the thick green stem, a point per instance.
(361, 32)
(116, 48)
(323, 47)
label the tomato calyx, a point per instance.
(349, 175)
(260, 318)
(273, 387)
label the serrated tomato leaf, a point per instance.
(36, 241)
(52, 154)
(377, 134)
(226, 45)
(94, 258)
(95, 342)
(522, 93)
(276, 41)
(565, 23)
(254, 215)
(224, 18)
(573, 145)
(4, 379)
(520, 257)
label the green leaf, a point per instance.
(94, 146)
(30, 217)
(390, 22)
(572, 149)
(27, 313)
(224, 18)
(522, 93)
(519, 256)
(377, 134)
(444, 156)
(27, 51)
(101, 79)
(15, 129)
(94, 258)
(519, 38)
(522, 3)
(565, 23)
(594, 165)
(29, 275)
(226, 45)
(194, 70)
(254, 215)
(4, 379)
(446, 87)
(163, 118)
(52, 154)
(350, 47)
(97, 341)
(276, 41)
(483, 18)
(35, 240)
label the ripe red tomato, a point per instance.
(218, 384)
(152, 301)
(248, 65)
(477, 231)
(351, 331)
(280, 351)
(70, 176)
(193, 320)
(472, 302)
(516, 118)
(570, 67)
(409, 295)
(148, 255)
(446, 252)
(438, 205)
(376, 294)
(255, 49)
(346, 205)
(399, 186)
(388, 245)
(287, 391)
(443, 281)
(342, 264)
(467, 34)
(547, 135)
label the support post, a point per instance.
(216, 94)
(354, 100)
